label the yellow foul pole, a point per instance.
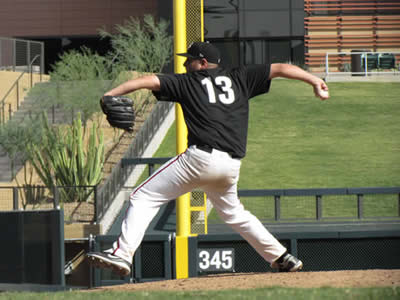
(183, 202)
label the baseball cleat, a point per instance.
(287, 263)
(106, 260)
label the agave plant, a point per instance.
(66, 161)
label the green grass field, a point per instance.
(297, 141)
(262, 294)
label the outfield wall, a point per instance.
(36, 252)
(321, 247)
(33, 247)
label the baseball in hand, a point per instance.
(324, 94)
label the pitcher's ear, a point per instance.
(204, 62)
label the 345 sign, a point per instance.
(216, 260)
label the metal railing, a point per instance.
(270, 206)
(362, 63)
(279, 205)
(16, 85)
(15, 55)
(370, 203)
(114, 183)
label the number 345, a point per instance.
(216, 260)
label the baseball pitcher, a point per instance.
(215, 104)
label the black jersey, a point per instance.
(215, 103)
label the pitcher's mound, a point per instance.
(359, 278)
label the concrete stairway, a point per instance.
(29, 108)
(32, 107)
(6, 174)
(5, 166)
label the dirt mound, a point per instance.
(360, 278)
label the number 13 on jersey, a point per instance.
(228, 95)
(216, 260)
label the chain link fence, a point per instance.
(198, 212)
(85, 204)
(120, 174)
(78, 202)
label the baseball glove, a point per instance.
(119, 111)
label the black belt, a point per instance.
(205, 148)
(209, 149)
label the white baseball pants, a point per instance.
(217, 174)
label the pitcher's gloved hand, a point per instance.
(119, 111)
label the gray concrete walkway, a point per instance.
(369, 78)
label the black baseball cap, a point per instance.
(199, 50)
